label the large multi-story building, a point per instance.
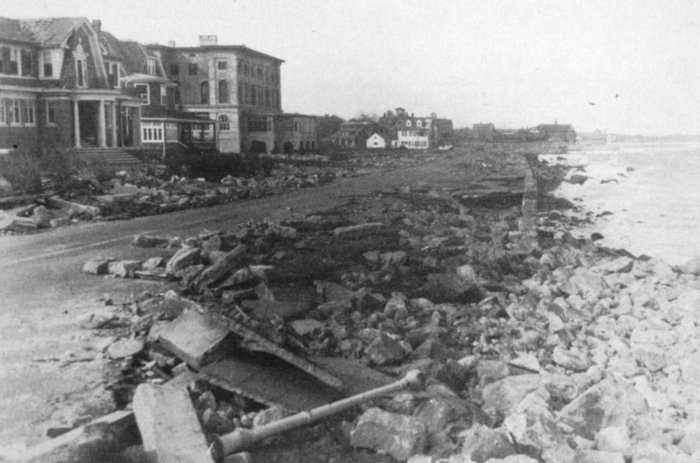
(66, 83)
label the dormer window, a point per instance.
(47, 60)
(151, 66)
(80, 68)
(419, 123)
(408, 123)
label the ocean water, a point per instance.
(652, 191)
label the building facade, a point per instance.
(376, 141)
(66, 83)
(422, 132)
(60, 88)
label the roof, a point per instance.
(12, 29)
(220, 48)
(49, 32)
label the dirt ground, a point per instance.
(52, 375)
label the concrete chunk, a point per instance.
(359, 230)
(169, 426)
(194, 337)
(184, 257)
(398, 435)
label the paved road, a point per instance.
(42, 292)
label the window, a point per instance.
(269, 124)
(50, 113)
(193, 69)
(223, 92)
(246, 69)
(2, 111)
(14, 61)
(151, 66)
(259, 91)
(48, 63)
(257, 124)
(14, 112)
(221, 65)
(204, 92)
(174, 69)
(112, 70)
(419, 123)
(152, 132)
(163, 95)
(80, 72)
(408, 123)
(267, 97)
(259, 73)
(144, 93)
(224, 123)
(27, 62)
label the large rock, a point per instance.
(570, 359)
(613, 439)
(609, 403)
(144, 240)
(619, 265)
(221, 267)
(532, 424)
(450, 287)
(398, 435)
(184, 257)
(501, 397)
(482, 443)
(386, 349)
(97, 266)
(124, 268)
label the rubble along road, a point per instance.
(49, 372)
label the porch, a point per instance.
(105, 123)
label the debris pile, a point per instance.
(568, 352)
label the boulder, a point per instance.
(97, 266)
(152, 263)
(184, 257)
(691, 266)
(571, 359)
(387, 349)
(450, 287)
(482, 443)
(124, 268)
(619, 265)
(609, 403)
(306, 326)
(613, 439)
(359, 230)
(125, 348)
(144, 240)
(398, 435)
(501, 397)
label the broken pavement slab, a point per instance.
(97, 265)
(194, 337)
(250, 340)
(169, 426)
(264, 309)
(220, 268)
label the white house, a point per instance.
(412, 139)
(376, 141)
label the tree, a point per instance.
(328, 125)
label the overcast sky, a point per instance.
(622, 66)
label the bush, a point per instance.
(22, 170)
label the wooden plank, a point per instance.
(356, 377)
(169, 426)
(194, 337)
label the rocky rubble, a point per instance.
(572, 352)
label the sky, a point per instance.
(619, 66)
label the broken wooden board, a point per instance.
(194, 337)
(99, 440)
(253, 341)
(269, 380)
(169, 426)
(263, 309)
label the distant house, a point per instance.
(557, 132)
(484, 131)
(422, 132)
(295, 133)
(376, 141)
(353, 134)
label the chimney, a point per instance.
(206, 40)
(97, 25)
(171, 43)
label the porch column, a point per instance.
(101, 129)
(76, 123)
(114, 124)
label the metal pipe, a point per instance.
(242, 439)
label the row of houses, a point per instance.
(406, 131)
(67, 83)
(563, 133)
